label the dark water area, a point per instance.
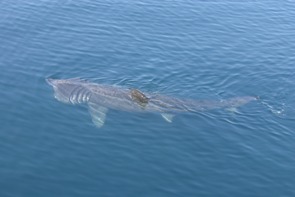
(185, 49)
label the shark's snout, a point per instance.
(50, 81)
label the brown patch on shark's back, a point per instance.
(139, 97)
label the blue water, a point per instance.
(188, 49)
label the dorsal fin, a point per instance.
(139, 97)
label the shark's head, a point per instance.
(68, 90)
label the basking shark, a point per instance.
(100, 98)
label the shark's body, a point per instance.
(100, 98)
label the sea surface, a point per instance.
(194, 49)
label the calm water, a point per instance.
(188, 49)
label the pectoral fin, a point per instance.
(98, 114)
(232, 110)
(168, 117)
